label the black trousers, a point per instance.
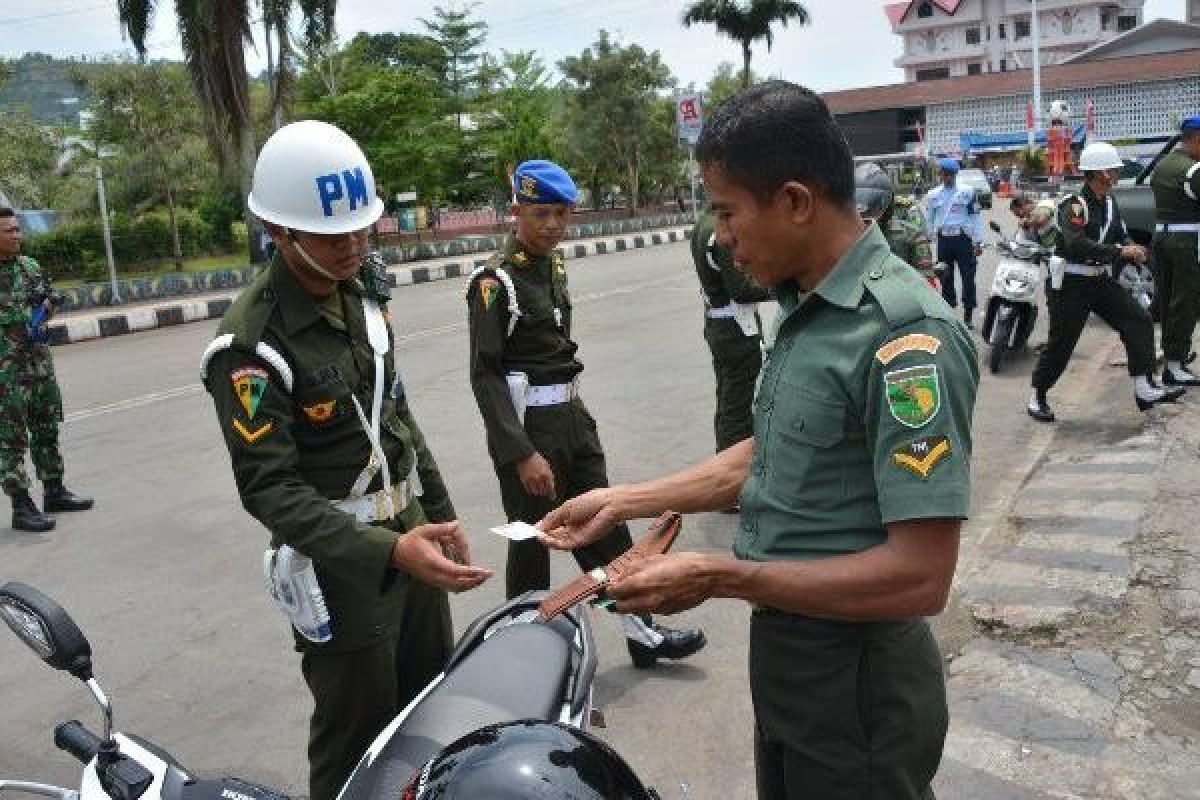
(845, 711)
(958, 250)
(736, 359)
(1069, 308)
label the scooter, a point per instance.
(1012, 308)
(508, 665)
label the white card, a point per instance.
(517, 531)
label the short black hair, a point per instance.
(775, 132)
(6, 212)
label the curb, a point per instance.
(98, 326)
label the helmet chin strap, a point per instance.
(312, 262)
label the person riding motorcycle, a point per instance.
(875, 196)
(527, 758)
(1041, 228)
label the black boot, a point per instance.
(672, 644)
(60, 498)
(26, 516)
(1039, 407)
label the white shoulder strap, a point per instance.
(514, 311)
(708, 255)
(263, 350)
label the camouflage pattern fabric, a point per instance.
(30, 401)
(906, 235)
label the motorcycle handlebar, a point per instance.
(77, 740)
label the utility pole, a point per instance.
(1035, 30)
(108, 251)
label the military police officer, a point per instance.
(953, 217)
(1176, 183)
(525, 376)
(875, 196)
(1092, 238)
(732, 329)
(854, 487)
(30, 400)
(326, 452)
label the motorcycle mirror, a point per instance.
(994, 225)
(46, 629)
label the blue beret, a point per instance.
(948, 164)
(1191, 123)
(543, 182)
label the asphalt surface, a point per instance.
(164, 575)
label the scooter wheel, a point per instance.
(1001, 334)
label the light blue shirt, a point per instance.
(953, 207)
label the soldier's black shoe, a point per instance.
(26, 516)
(1181, 378)
(1039, 407)
(673, 644)
(1158, 394)
(60, 498)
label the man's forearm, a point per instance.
(711, 485)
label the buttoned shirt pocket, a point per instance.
(807, 431)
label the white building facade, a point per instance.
(950, 38)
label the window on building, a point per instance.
(1105, 21)
(1021, 28)
(1000, 32)
(933, 74)
(974, 69)
(988, 32)
(1126, 22)
(1004, 65)
(972, 35)
(924, 10)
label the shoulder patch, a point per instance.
(488, 289)
(920, 456)
(249, 384)
(905, 344)
(913, 395)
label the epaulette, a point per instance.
(248, 318)
(901, 293)
(493, 266)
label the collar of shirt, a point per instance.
(843, 285)
(297, 308)
(516, 253)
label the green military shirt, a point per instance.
(721, 281)
(1176, 183)
(906, 236)
(863, 416)
(295, 448)
(519, 315)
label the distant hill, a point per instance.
(42, 85)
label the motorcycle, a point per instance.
(1012, 308)
(508, 665)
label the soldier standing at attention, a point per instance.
(732, 328)
(953, 217)
(1176, 183)
(326, 452)
(524, 373)
(30, 400)
(854, 486)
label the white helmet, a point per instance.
(1098, 156)
(312, 177)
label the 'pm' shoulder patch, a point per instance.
(249, 383)
(488, 289)
(905, 344)
(920, 456)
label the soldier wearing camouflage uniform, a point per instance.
(904, 227)
(30, 402)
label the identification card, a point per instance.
(516, 531)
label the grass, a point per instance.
(198, 264)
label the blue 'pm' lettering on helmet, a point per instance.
(329, 189)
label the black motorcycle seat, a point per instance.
(519, 672)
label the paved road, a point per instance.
(164, 576)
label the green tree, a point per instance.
(745, 23)
(461, 38)
(28, 153)
(613, 107)
(146, 114)
(725, 82)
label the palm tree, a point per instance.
(745, 22)
(213, 35)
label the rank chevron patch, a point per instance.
(920, 456)
(252, 436)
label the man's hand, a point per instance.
(665, 584)
(422, 553)
(581, 520)
(536, 475)
(1133, 252)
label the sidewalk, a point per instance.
(77, 326)
(1083, 677)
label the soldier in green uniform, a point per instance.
(524, 373)
(326, 452)
(732, 329)
(854, 486)
(875, 197)
(30, 401)
(1176, 183)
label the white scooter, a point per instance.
(1012, 307)
(507, 666)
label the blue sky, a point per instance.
(848, 43)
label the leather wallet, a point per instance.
(657, 540)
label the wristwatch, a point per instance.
(657, 540)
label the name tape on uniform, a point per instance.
(905, 344)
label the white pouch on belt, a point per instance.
(1057, 267)
(518, 388)
(746, 315)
